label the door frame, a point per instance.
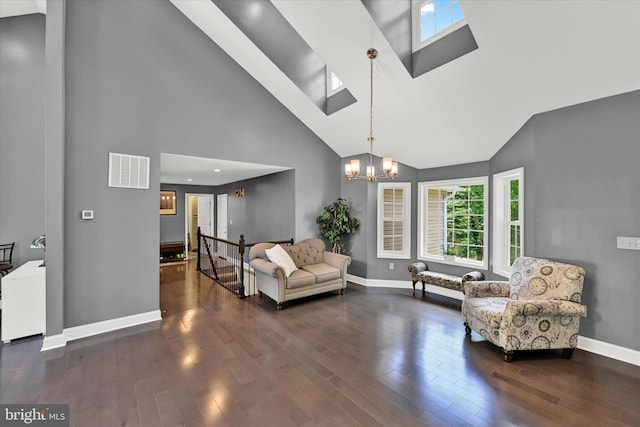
(186, 216)
(226, 213)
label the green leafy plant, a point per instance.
(335, 223)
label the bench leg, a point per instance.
(423, 287)
(414, 287)
(467, 329)
(507, 355)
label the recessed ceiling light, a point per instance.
(217, 170)
(189, 179)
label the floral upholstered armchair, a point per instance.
(539, 308)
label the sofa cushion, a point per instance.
(279, 256)
(323, 272)
(307, 252)
(300, 278)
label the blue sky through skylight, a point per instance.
(438, 15)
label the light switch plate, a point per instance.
(87, 214)
(632, 243)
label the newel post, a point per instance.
(198, 265)
(241, 248)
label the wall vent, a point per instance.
(127, 171)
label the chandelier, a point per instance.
(389, 167)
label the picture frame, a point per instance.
(168, 203)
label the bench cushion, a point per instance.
(440, 279)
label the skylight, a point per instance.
(334, 84)
(434, 19)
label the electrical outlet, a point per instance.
(391, 266)
(632, 243)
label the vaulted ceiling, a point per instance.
(533, 56)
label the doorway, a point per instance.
(199, 213)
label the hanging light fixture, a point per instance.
(389, 167)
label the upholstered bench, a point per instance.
(420, 272)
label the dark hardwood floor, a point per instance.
(368, 357)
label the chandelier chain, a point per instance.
(371, 98)
(389, 167)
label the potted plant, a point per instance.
(335, 223)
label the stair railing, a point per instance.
(224, 261)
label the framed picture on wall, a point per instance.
(167, 203)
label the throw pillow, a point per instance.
(280, 257)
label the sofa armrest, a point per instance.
(417, 267)
(338, 261)
(545, 308)
(473, 289)
(268, 268)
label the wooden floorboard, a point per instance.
(370, 357)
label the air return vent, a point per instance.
(126, 171)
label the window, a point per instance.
(433, 19)
(508, 219)
(452, 227)
(334, 84)
(394, 220)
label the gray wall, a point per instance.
(142, 79)
(266, 212)
(586, 194)
(362, 245)
(581, 192)
(22, 109)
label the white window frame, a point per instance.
(406, 234)
(502, 218)
(422, 220)
(417, 28)
(331, 90)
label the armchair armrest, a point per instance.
(268, 268)
(417, 267)
(336, 260)
(473, 289)
(545, 308)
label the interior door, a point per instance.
(221, 222)
(204, 215)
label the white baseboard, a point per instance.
(584, 343)
(404, 284)
(609, 350)
(53, 341)
(88, 330)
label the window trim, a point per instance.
(422, 255)
(416, 27)
(406, 234)
(501, 206)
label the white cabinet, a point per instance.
(23, 302)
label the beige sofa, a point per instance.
(318, 271)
